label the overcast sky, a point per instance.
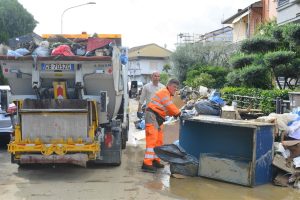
(139, 21)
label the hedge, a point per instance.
(266, 97)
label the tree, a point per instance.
(188, 56)
(166, 68)
(282, 65)
(15, 20)
(164, 78)
(217, 74)
(274, 52)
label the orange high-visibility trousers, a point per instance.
(154, 138)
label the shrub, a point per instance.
(205, 79)
(218, 75)
(277, 58)
(291, 33)
(258, 45)
(233, 79)
(240, 60)
(256, 76)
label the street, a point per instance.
(124, 182)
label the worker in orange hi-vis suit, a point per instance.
(160, 106)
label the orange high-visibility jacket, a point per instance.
(162, 104)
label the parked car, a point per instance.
(135, 88)
(6, 114)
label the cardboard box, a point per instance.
(171, 132)
(178, 101)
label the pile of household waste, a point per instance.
(58, 45)
(201, 102)
(198, 102)
(287, 147)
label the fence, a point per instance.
(249, 102)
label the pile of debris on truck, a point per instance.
(61, 45)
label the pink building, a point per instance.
(246, 21)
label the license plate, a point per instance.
(59, 67)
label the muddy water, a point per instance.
(203, 188)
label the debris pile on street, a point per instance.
(200, 102)
(287, 149)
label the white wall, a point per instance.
(287, 12)
(240, 30)
(141, 69)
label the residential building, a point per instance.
(288, 11)
(245, 21)
(144, 60)
(269, 11)
(224, 34)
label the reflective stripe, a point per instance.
(160, 99)
(155, 156)
(169, 103)
(149, 156)
(158, 104)
(165, 98)
(156, 97)
(149, 150)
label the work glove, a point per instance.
(140, 115)
(175, 117)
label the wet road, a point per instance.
(124, 182)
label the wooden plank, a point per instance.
(280, 162)
(229, 122)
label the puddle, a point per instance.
(199, 187)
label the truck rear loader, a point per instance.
(70, 109)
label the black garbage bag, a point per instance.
(180, 161)
(207, 107)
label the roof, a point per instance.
(149, 50)
(230, 20)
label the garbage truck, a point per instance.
(69, 109)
